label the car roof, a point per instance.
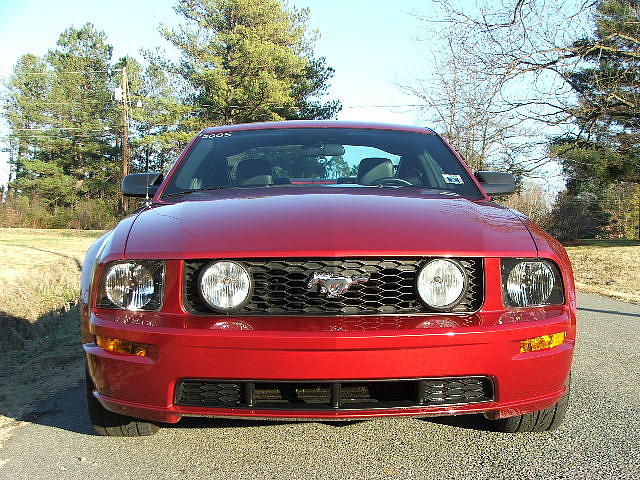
(316, 124)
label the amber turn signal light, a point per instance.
(542, 342)
(117, 345)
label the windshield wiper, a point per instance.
(444, 191)
(192, 190)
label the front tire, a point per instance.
(543, 420)
(112, 424)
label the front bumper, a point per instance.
(377, 348)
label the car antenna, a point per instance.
(147, 200)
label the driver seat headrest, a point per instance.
(374, 168)
(254, 171)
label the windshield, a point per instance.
(331, 157)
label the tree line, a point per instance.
(238, 61)
(526, 82)
(516, 84)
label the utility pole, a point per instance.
(125, 122)
(125, 130)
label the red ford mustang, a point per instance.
(325, 270)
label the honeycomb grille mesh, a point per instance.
(281, 287)
(334, 395)
(440, 391)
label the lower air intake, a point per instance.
(356, 395)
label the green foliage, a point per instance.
(335, 167)
(591, 167)
(577, 217)
(241, 61)
(59, 119)
(46, 180)
(601, 158)
(80, 104)
(247, 61)
(609, 86)
(160, 123)
(606, 145)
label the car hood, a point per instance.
(326, 222)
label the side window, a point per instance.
(189, 175)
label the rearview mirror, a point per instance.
(497, 183)
(141, 184)
(322, 150)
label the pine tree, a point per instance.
(161, 125)
(81, 105)
(606, 146)
(601, 158)
(27, 86)
(61, 113)
(248, 60)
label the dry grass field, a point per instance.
(607, 267)
(39, 274)
(40, 269)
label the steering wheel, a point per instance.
(391, 181)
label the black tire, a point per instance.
(540, 421)
(112, 424)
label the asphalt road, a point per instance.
(600, 438)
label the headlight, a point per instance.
(531, 282)
(132, 285)
(442, 283)
(225, 285)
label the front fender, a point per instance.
(91, 260)
(109, 246)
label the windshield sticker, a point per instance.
(216, 135)
(455, 179)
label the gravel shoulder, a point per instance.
(598, 439)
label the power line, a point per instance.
(385, 106)
(67, 128)
(106, 127)
(86, 102)
(274, 105)
(56, 72)
(53, 135)
(60, 131)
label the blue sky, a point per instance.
(370, 43)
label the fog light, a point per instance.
(442, 283)
(542, 342)
(117, 345)
(225, 286)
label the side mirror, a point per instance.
(497, 183)
(141, 184)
